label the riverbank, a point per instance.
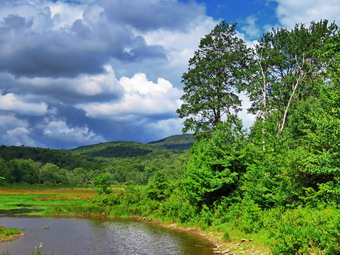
(221, 246)
(75, 202)
(232, 246)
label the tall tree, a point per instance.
(287, 69)
(215, 71)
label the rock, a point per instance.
(246, 240)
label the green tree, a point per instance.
(52, 174)
(286, 69)
(215, 71)
(215, 166)
(103, 182)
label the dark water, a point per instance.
(79, 236)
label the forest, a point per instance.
(277, 181)
(125, 162)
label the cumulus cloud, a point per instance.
(142, 99)
(19, 104)
(250, 27)
(291, 12)
(14, 131)
(59, 130)
(96, 87)
(60, 39)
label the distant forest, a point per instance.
(127, 162)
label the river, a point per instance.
(83, 236)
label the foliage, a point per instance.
(215, 70)
(306, 231)
(9, 231)
(103, 182)
(286, 69)
(214, 167)
(128, 162)
(175, 142)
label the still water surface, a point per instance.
(79, 236)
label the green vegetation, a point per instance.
(6, 232)
(39, 199)
(127, 162)
(176, 142)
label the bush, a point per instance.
(306, 231)
(245, 215)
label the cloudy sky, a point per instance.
(76, 72)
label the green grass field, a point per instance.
(35, 200)
(42, 199)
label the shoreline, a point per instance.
(231, 247)
(11, 237)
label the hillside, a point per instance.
(121, 149)
(128, 162)
(61, 158)
(175, 142)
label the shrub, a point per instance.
(306, 231)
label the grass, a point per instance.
(41, 199)
(5, 232)
(38, 199)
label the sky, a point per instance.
(78, 72)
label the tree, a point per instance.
(52, 174)
(103, 182)
(286, 69)
(215, 71)
(215, 165)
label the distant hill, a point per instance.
(61, 158)
(175, 142)
(114, 150)
(128, 162)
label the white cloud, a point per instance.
(180, 45)
(19, 136)
(59, 129)
(142, 98)
(83, 86)
(250, 28)
(164, 128)
(19, 104)
(64, 14)
(290, 12)
(247, 118)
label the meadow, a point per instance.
(37, 199)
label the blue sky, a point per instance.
(89, 71)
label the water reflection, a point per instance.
(78, 236)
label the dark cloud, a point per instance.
(83, 48)
(16, 23)
(83, 89)
(151, 15)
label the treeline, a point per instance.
(134, 164)
(280, 178)
(61, 158)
